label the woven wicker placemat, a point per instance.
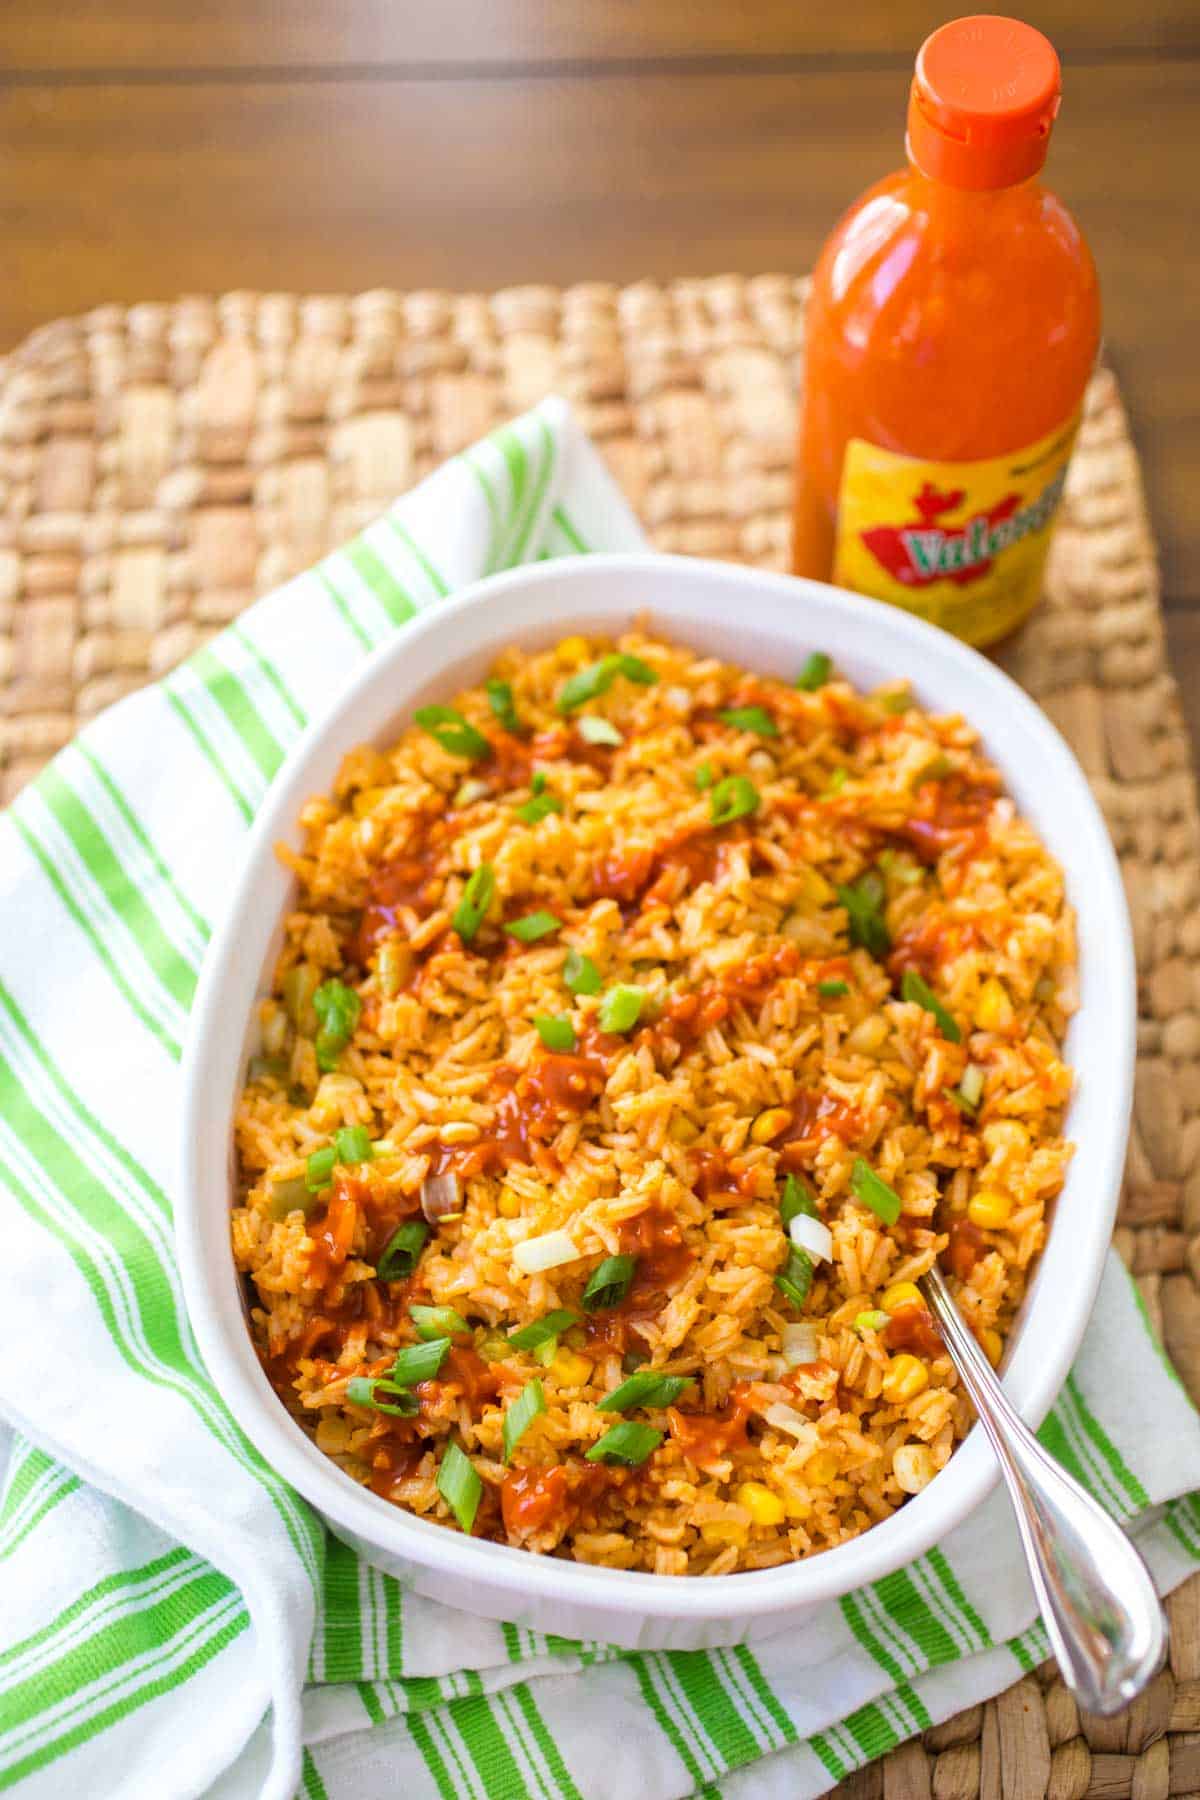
(161, 466)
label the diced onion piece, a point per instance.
(786, 1418)
(811, 1235)
(800, 1344)
(534, 1255)
(971, 1085)
(441, 1197)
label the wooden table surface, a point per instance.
(153, 148)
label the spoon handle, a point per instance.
(1094, 1592)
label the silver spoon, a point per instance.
(1094, 1592)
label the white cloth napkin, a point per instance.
(172, 1619)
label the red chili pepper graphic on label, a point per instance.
(921, 551)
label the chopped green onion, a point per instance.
(795, 1278)
(542, 1331)
(733, 798)
(596, 679)
(795, 1199)
(353, 1144)
(460, 1485)
(704, 776)
(971, 1085)
(644, 1389)
(917, 990)
(628, 1444)
(874, 1192)
(492, 1347)
(533, 926)
(545, 1353)
(299, 985)
(267, 1068)
(471, 910)
(538, 807)
(870, 1321)
(897, 702)
(500, 699)
(401, 1251)
(816, 672)
(292, 1194)
(437, 1322)
(594, 730)
(318, 1170)
(831, 990)
(452, 732)
(581, 974)
(361, 1390)
(863, 901)
(621, 1008)
(520, 1415)
(936, 769)
(609, 1284)
(556, 1032)
(837, 781)
(419, 1362)
(750, 718)
(337, 1008)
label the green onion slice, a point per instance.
(815, 673)
(596, 679)
(870, 1321)
(452, 732)
(533, 926)
(913, 988)
(581, 974)
(460, 1485)
(621, 1008)
(353, 1144)
(419, 1362)
(520, 1415)
(541, 1331)
(609, 1284)
(837, 781)
(735, 797)
(594, 730)
(500, 699)
(382, 1396)
(471, 910)
(863, 900)
(704, 776)
(794, 1199)
(538, 807)
(318, 1170)
(896, 702)
(627, 1443)
(750, 718)
(644, 1389)
(291, 1194)
(874, 1192)
(795, 1278)
(434, 1322)
(556, 1032)
(401, 1251)
(970, 1088)
(830, 990)
(337, 1008)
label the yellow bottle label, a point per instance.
(961, 543)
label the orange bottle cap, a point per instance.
(983, 100)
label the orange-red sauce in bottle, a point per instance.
(953, 322)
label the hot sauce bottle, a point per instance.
(953, 322)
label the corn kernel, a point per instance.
(764, 1507)
(993, 1345)
(571, 1368)
(724, 1531)
(989, 1209)
(509, 1204)
(366, 799)
(459, 1131)
(798, 1509)
(769, 1124)
(573, 650)
(820, 1468)
(913, 1467)
(993, 1009)
(900, 1296)
(904, 1378)
(683, 1129)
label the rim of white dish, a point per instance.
(1041, 1357)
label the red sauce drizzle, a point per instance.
(663, 1259)
(949, 815)
(750, 983)
(406, 884)
(715, 1179)
(930, 943)
(635, 876)
(333, 1238)
(814, 1118)
(913, 1329)
(967, 1244)
(531, 1498)
(532, 1106)
(706, 1438)
(465, 1371)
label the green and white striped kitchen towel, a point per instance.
(173, 1620)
